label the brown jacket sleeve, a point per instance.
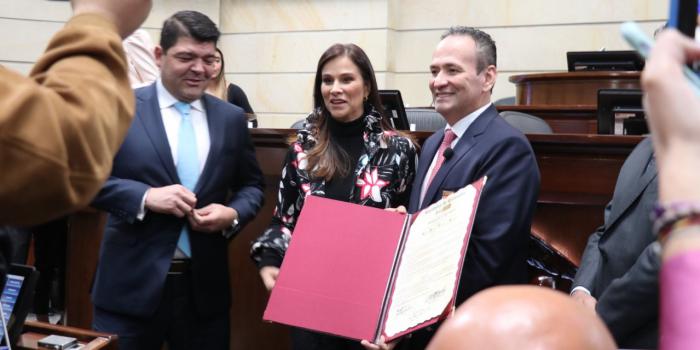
(60, 128)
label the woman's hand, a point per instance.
(400, 209)
(379, 346)
(269, 276)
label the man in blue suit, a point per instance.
(184, 181)
(477, 142)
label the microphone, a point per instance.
(448, 153)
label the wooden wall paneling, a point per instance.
(248, 330)
(83, 247)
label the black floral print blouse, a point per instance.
(383, 178)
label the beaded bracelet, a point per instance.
(673, 216)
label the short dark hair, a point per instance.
(485, 46)
(191, 24)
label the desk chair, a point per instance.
(505, 101)
(526, 123)
(299, 124)
(425, 119)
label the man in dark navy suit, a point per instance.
(477, 142)
(184, 181)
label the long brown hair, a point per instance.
(327, 159)
(218, 86)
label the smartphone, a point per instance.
(58, 342)
(643, 44)
(683, 16)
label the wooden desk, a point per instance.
(578, 177)
(35, 331)
(569, 88)
(567, 101)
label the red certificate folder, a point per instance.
(340, 271)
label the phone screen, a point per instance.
(10, 293)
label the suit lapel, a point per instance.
(153, 125)
(633, 182)
(216, 123)
(463, 146)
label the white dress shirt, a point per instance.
(171, 122)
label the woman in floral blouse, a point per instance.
(346, 151)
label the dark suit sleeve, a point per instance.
(499, 237)
(588, 268)
(247, 187)
(590, 261)
(121, 197)
(632, 301)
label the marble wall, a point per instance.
(272, 46)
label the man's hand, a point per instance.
(174, 199)
(585, 299)
(269, 276)
(212, 218)
(379, 346)
(127, 15)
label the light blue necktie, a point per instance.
(187, 164)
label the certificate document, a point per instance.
(361, 272)
(430, 263)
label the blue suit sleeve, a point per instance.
(121, 197)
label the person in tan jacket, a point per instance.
(61, 126)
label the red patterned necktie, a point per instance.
(446, 142)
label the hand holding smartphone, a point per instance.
(643, 44)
